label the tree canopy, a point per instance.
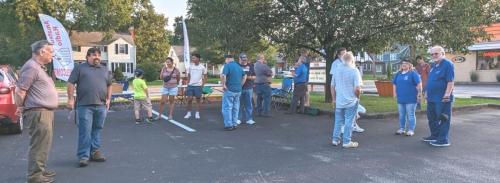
(323, 26)
(20, 24)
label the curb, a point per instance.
(455, 109)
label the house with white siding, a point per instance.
(118, 51)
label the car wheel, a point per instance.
(17, 127)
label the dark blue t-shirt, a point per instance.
(249, 71)
(300, 74)
(234, 74)
(406, 87)
(439, 76)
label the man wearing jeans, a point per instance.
(93, 86)
(246, 107)
(346, 89)
(439, 92)
(232, 79)
(263, 86)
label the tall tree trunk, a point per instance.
(330, 55)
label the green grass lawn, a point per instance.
(375, 104)
(369, 76)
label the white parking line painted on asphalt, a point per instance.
(187, 128)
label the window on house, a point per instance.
(378, 68)
(121, 48)
(488, 60)
(393, 56)
(77, 48)
(103, 48)
(123, 67)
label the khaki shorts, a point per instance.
(145, 103)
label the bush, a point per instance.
(151, 70)
(498, 77)
(118, 74)
(474, 77)
(389, 72)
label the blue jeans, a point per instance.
(344, 117)
(246, 106)
(439, 129)
(230, 107)
(90, 123)
(407, 111)
(263, 98)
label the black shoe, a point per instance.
(229, 128)
(443, 117)
(83, 163)
(49, 173)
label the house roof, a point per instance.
(97, 38)
(494, 31)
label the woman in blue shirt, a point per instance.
(407, 90)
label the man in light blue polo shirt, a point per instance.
(439, 92)
(233, 77)
(346, 89)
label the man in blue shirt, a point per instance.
(232, 79)
(439, 92)
(300, 87)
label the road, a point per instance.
(283, 148)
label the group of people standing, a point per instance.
(37, 98)
(432, 82)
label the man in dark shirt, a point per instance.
(246, 107)
(93, 83)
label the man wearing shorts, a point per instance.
(197, 75)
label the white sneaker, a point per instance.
(238, 122)
(250, 122)
(400, 132)
(197, 115)
(188, 115)
(350, 145)
(342, 129)
(410, 133)
(358, 129)
(335, 142)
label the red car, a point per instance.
(9, 121)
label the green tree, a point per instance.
(371, 25)
(152, 39)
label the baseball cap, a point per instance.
(139, 72)
(227, 55)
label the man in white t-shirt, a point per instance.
(197, 76)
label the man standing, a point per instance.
(346, 89)
(263, 76)
(336, 66)
(300, 87)
(93, 89)
(197, 76)
(36, 99)
(423, 70)
(232, 79)
(246, 107)
(439, 92)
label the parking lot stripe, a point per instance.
(187, 128)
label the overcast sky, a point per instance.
(171, 9)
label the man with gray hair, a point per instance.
(346, 90)
(36, 99)
(263, 74)
(439, 94)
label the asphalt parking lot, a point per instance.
(283, 148)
